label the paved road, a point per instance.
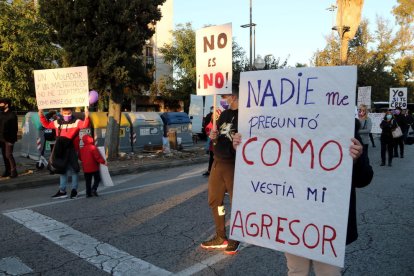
(152, 224)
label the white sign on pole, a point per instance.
(214, 60)
(398, 97)
(293, 170)
(104, 171)
(63, 87)
(376, 119)
(364, 96)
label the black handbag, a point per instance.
(61, 154)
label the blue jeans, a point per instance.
(64, 179)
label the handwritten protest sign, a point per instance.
(398, 97)
(214, 60)
(376, 119)
(364, 96)
(293, 170)
(63, 87)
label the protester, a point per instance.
(402, 123)
(68, 127)
(366, 126)
(387, 125)
(8, 136)
(409, 121)
(206, 121)
(50, 134)
(208, 129)
(222, 173)
(362, 174)
(91, 158)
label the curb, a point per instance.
(31, 181)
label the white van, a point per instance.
(199, 108)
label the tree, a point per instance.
(107, 36)
(24, 46)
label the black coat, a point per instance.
(362, 175)
(387, 128)
(8, 127)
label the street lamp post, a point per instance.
(251, 25)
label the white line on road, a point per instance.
(102, 255)
(13, 266)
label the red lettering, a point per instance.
(279, 229)
(302, 150)
(293, 232)
(279, 152)
(208, 81)
(266, 225)
(219, 80)
(304, 235)
(252, 225)
(248, 162)
(333, 236)
(237, 218)
(321, 151)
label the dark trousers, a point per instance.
(88, 181)
(7, 152)
(220, 181)
(399, 142)
(210, 161)
(372, 139)
(387, 146)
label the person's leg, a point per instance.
(10, 158)
(323, 269)
(75, 178)
(371, 137)
(216, 190)
(88, 182)
(5, 160)
(297, 266)
(395, 143)
(383, 150)
(63, 181)
(210, 161)
(401, 141)
(96, 180)
(390, 147)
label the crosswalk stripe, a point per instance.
(102, 255)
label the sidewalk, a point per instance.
(30, 176)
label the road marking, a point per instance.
(13, 266)
(102, 255)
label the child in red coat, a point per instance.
(91, 158)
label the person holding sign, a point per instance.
(67, 131)
(387, 125)
(362, 174)
(222, 173)
(366, 125)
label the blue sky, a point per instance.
(296, 27)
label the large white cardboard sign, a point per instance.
(214, 60)
(293, 169)
(398, 97)
(63, 87)
(376, 119)
(364, 96)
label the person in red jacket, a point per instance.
(91, 158)
(67, 126)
